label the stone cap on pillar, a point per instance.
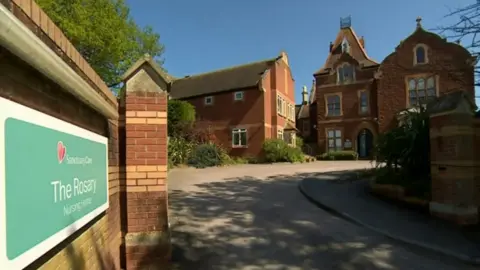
(149, 73)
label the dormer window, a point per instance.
(345, 46)
(346, 73)
(420, 54)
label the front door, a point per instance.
(364, 143)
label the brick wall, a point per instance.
(447, 61)
(281, 83)
(454, 167)
(96, 245)
(226, 113)
(351, 121)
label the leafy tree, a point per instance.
(405, 150)
(105, 34)
(181, 116)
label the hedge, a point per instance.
(339, 155)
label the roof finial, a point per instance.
(419, 22)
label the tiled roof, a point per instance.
(237, 77)
(304, 111)
(449, 102)
(297, 109)
(356, 51)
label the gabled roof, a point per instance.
(232, 78)
(356, 51)
(147, 59)
(421, 34)
(304, 111)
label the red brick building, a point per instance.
(243, 105)
(357, 97)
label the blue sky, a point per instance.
(202, 36)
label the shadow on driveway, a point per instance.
(266, 223)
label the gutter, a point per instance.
(18, 39)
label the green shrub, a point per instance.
(299, 142)
(277, 150)
(295, 154)
(206, 155)
(339, 155)
(179, 150)
(181, 116)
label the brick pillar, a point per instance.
(453, 167)
(147, 244)
(114, 232)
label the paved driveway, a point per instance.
(254, 217)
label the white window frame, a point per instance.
(205, 100)
(425, 56)
(427, 90)
(279, 104)
(363, 109)
(238, 132)
(340, 70)
(335, 139)
(280, 134)
(327, 104)
(240, 97)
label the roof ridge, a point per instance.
(226, 69)
(363, 51)
(360, 45)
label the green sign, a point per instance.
(55, 181)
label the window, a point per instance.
(209, 100)
(292, 112)
(239, 136)
(280, 134)
(284, 107)
(289, 138)
(346, 73)
(420, 54)
(334, 107)
(421, 90)
(279, 105)
(305, 126)
(334, 140)
(238, 96)
(345, 46)
(363, 102)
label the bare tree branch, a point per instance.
(467, 29)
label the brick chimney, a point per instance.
(362, 42)
(331, 47)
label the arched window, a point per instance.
(421, 90)
(420, 55)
